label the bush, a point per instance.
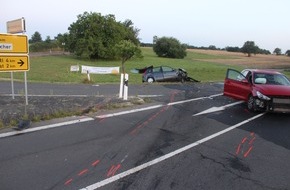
(42, 46)
(169, 47)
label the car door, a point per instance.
(157, 73)
(236, 85)
(169, 74)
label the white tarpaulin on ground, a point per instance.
(100, 70)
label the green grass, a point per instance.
(56, 69)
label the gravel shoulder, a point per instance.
(13, 111)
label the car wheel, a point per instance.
(251, 104)
(150, 80)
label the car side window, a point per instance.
(235, 75)
(167, 69)
(156, 69)
(245, 72)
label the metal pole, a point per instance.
(26, 94)
(12, 85)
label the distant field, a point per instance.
(240, 59)
(203, 65)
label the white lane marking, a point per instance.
(169, 155)
(128, 112)
(149, 96)
(154, 107)
(195, 99)
(100, 117)
(215, 109)
(29, 130)
(68, 95)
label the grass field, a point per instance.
(203, 65)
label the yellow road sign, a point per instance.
(10, 43)
(14, 63)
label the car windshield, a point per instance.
(271, 79)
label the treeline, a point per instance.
(238, 49)
(212, 47)
(36, 44)
(95, 36)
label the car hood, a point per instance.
(274, 90)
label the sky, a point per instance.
(199, 23)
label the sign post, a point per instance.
(14, 51)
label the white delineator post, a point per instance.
(121, 86)
(126, 86)
(88, 75)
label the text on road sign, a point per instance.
(14, 63)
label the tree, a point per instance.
(62, 41)
(94, 36)
(132, 33)
(169, 47)
(288, 53)
(36, 37)
(250, 48)
(264, 51)
(277, 51)
(212, 47)
(126, 50)
(47, 40)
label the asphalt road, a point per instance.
(192, 137)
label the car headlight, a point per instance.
(262, 96)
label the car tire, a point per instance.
(251, 104)
(150, 80)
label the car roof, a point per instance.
(267, 71)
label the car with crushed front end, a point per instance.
(164, 74)
(263, 90)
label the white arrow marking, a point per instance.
(215, 109)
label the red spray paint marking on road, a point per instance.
(153, 117)
(83, 172)
(248, 152)
(244, 140)
(95, 163)
(246, 145)
(113, 170)
(238, 149)
(68, 182)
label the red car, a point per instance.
(263, 90)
